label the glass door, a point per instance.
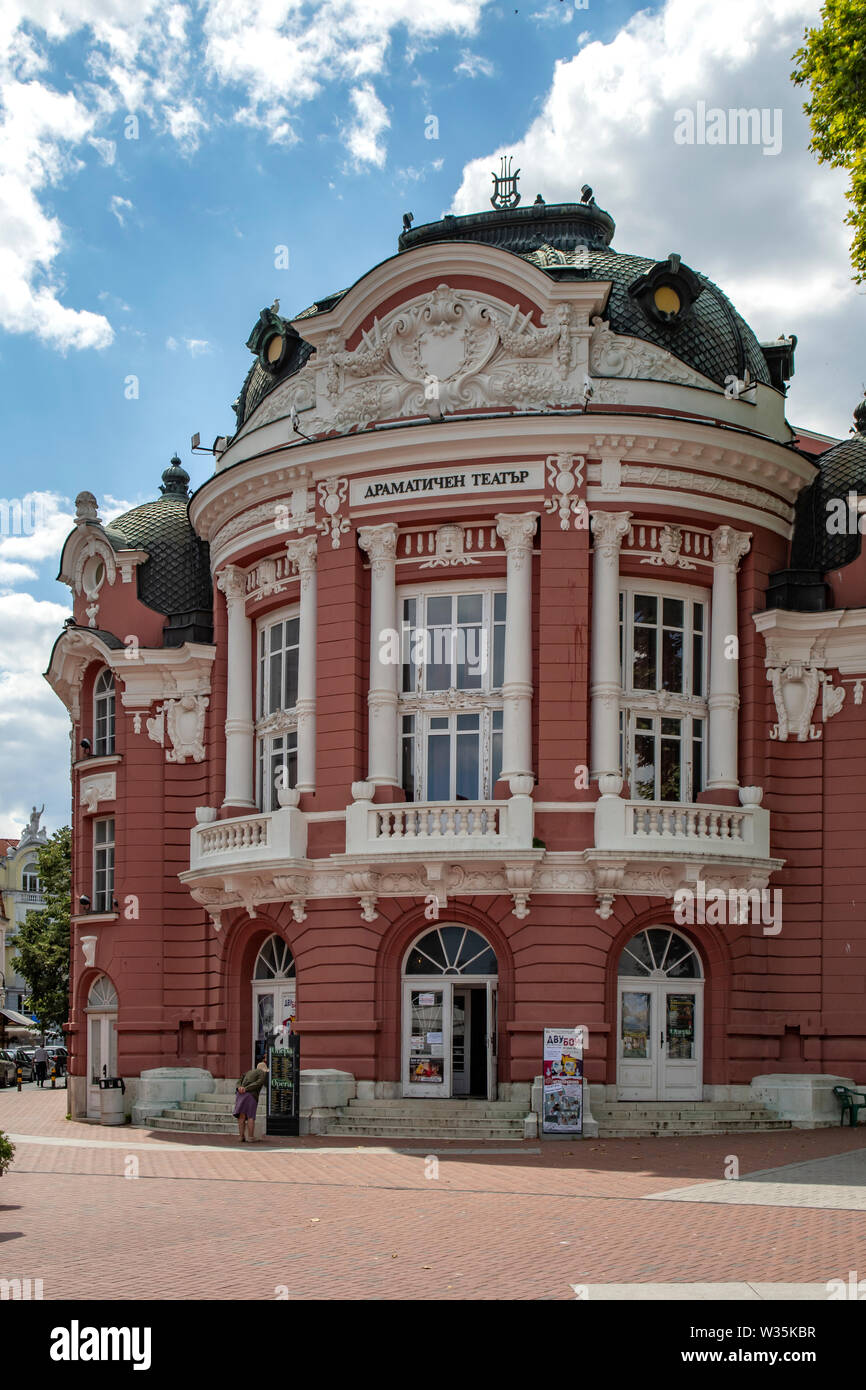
(461, 1041)
(101, 1056)
(637, 1052)
(492, 1039)
(681, 1069)
(427, 1039)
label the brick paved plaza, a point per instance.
(315, 1219)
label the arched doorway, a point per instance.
(274, 995)
(660, 1005)
(450, 978)
(101, 1013)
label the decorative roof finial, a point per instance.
(505, 194)
(85, 508)
(175, 479)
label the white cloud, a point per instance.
(106, 149)
(145, 60)
(473, 65)
(371, 121)
(196, 347)
(769, 231)
(34, 726)
(33, 527)
(119, 207)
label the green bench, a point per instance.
(852, 1102)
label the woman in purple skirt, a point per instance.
(247, 1100)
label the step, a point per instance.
(442, 1127)
(194, 1126)
(617, 1116)
(397, 1109)
(420, 1132)
(678, 1132)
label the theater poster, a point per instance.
(562, 1081)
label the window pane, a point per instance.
(438, 767)
(439, 610)
(407, 766)
(276, 665)
(645, 608)
(291, 673)
(471, 657)
(468, 721)
(467, 766)
(635, 1024)
(644, 767)
(437, 673)
(672, 659)
(644, 670)
(469, 608)
(672, 612)
(635, 958)
(698, 616)
(499, 601)
(498, 655)
(671, 768)
(697, 757)
(697, 664)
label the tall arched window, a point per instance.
(103, 713)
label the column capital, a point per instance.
(516, 530)
(729, 546)
(303, 553)
(380, 543)
(232, 581)
(609, 529)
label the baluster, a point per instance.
(691, 829)
(450, 818)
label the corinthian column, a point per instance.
(517, 532)
(303, 554)
(380, 543)
(239, 698)
(729, 547)
(608, 530)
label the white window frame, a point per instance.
(485, 701)
(104, 897)
(103, 747)
(276, 730)
(660, 704)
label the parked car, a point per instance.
(8, 1069)
(23, 1058)
(57, 1059)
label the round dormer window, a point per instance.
(667, 301)
(93, 576)
(274, 348)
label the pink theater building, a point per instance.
(515, 638)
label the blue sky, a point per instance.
(304, 125)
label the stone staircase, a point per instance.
(637, 1120)
(433, 1120)
(209, 1113)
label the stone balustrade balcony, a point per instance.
(247, 841)
(462, 827)
(676, 829)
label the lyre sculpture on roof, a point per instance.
(505, 194)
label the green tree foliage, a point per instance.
(832, 64)
(43, 937)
